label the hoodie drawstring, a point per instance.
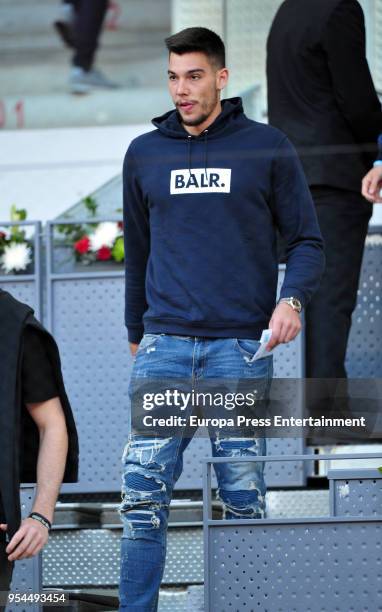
(189, 153)
(205, 153)
(189, 138)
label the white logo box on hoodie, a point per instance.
(200, 180)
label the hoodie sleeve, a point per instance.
(296, 219)
(137, 247)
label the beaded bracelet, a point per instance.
(41, 519)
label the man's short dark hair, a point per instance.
(198, 39)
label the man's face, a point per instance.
(195, 84)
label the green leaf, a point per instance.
(18, 214)
(91, 205)
(118, 250)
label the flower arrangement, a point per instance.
(93, 242)
(15, 248)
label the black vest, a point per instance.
(19, 438)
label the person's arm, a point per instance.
(137, 247)
(50, 420)
(296, 219)
(345, 47)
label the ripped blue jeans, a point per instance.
(152, 464)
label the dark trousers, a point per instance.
(90, 15)
(6, 568)
(343, 217)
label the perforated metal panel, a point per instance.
(293, 504)
(87, 322)
(172, 600)
(195, 600)
(26, 576)
(26, 287)
(295, 565)
(355, 492)
(302, 567)
(85, 314)
(91, 557)
(184, 600)
(364, 354)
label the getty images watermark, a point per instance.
(173, 398)
(185, 401)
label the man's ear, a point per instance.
(222, 78)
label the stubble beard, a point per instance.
(207, 108)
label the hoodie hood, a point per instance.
(170, 124)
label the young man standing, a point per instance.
(203, 195)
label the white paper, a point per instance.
(261, 351)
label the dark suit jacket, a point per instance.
(19, 438)
(320, 91)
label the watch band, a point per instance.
(293, 303)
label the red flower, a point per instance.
(82, 246)
(120, 225)
(104, 253)
(2, 235)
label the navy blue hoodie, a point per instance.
(200, 216)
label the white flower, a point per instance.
(104, 235)
(374, 240)
(16, 257)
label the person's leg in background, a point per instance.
(89, 20)
(87, 26)
(343, 218)
(65, 20)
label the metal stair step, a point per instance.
(175, 599)
(76, 556)
(90, 557)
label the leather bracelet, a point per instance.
(41, 519)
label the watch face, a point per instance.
(296, 304)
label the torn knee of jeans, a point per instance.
(143, 483)
(143, 451)
(238, 446)
(142, 491)
(141, 517)
(243, 504)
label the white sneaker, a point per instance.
(81, 82)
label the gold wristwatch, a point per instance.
(293, 302)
